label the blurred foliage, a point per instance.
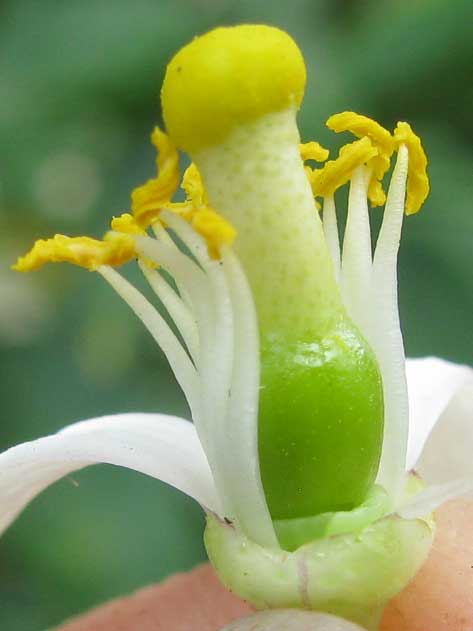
(79, 96)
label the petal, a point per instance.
(297, 620)
(447, 454)
(433, 384)
(164, 447)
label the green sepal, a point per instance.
(349, 575)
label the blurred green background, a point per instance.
(78, 97)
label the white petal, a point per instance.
(292, 620)
(433, 384)
(164, 447)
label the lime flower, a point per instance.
(286, 343)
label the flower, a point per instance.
(288, 347)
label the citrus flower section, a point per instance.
(286, 338)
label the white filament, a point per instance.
(241, 424)
(163, 236)
(369, 288)
(177, 309)
(235, 370)
(216, 360)
(331, 233)
(195, 284)
(188, 235)
(356, 255)
(179, 361)
(386, 337)
(220, 305)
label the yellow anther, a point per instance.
(376, 193)
(361, 126)
(417, 179)
(313, 151)
(115, 249)
(126, 224)
(229, 77)
(193, 186)
(335, 173)
(216, 230)
(148, 199)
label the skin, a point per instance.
(439, 599)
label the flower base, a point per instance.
(348, 575)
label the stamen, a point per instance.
(148, 199)
(241, 425)
(115, 249)
(188, 236)
(225, 318)
(126, 224)
(336, 173)
(213, 312)
(216, 230)
(385, 334)
(162, 235)
(215, 325)
(331, 233)
(376, 193)
(179, 312)
(313, 151)
(197, 287)
(179, 361)
(194, 187)
(362, 126)
(356, 257)
(417, 179)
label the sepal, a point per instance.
(352, 575)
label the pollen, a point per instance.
(147, 200)
(361, 126)
(115, 249)
(336, 173)
(417, 179)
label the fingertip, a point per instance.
(194, 600)
(440, 598)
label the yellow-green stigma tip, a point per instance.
(227, 77)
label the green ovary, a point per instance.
(320, 423)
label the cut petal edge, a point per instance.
(434, 496)
(434, 386)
